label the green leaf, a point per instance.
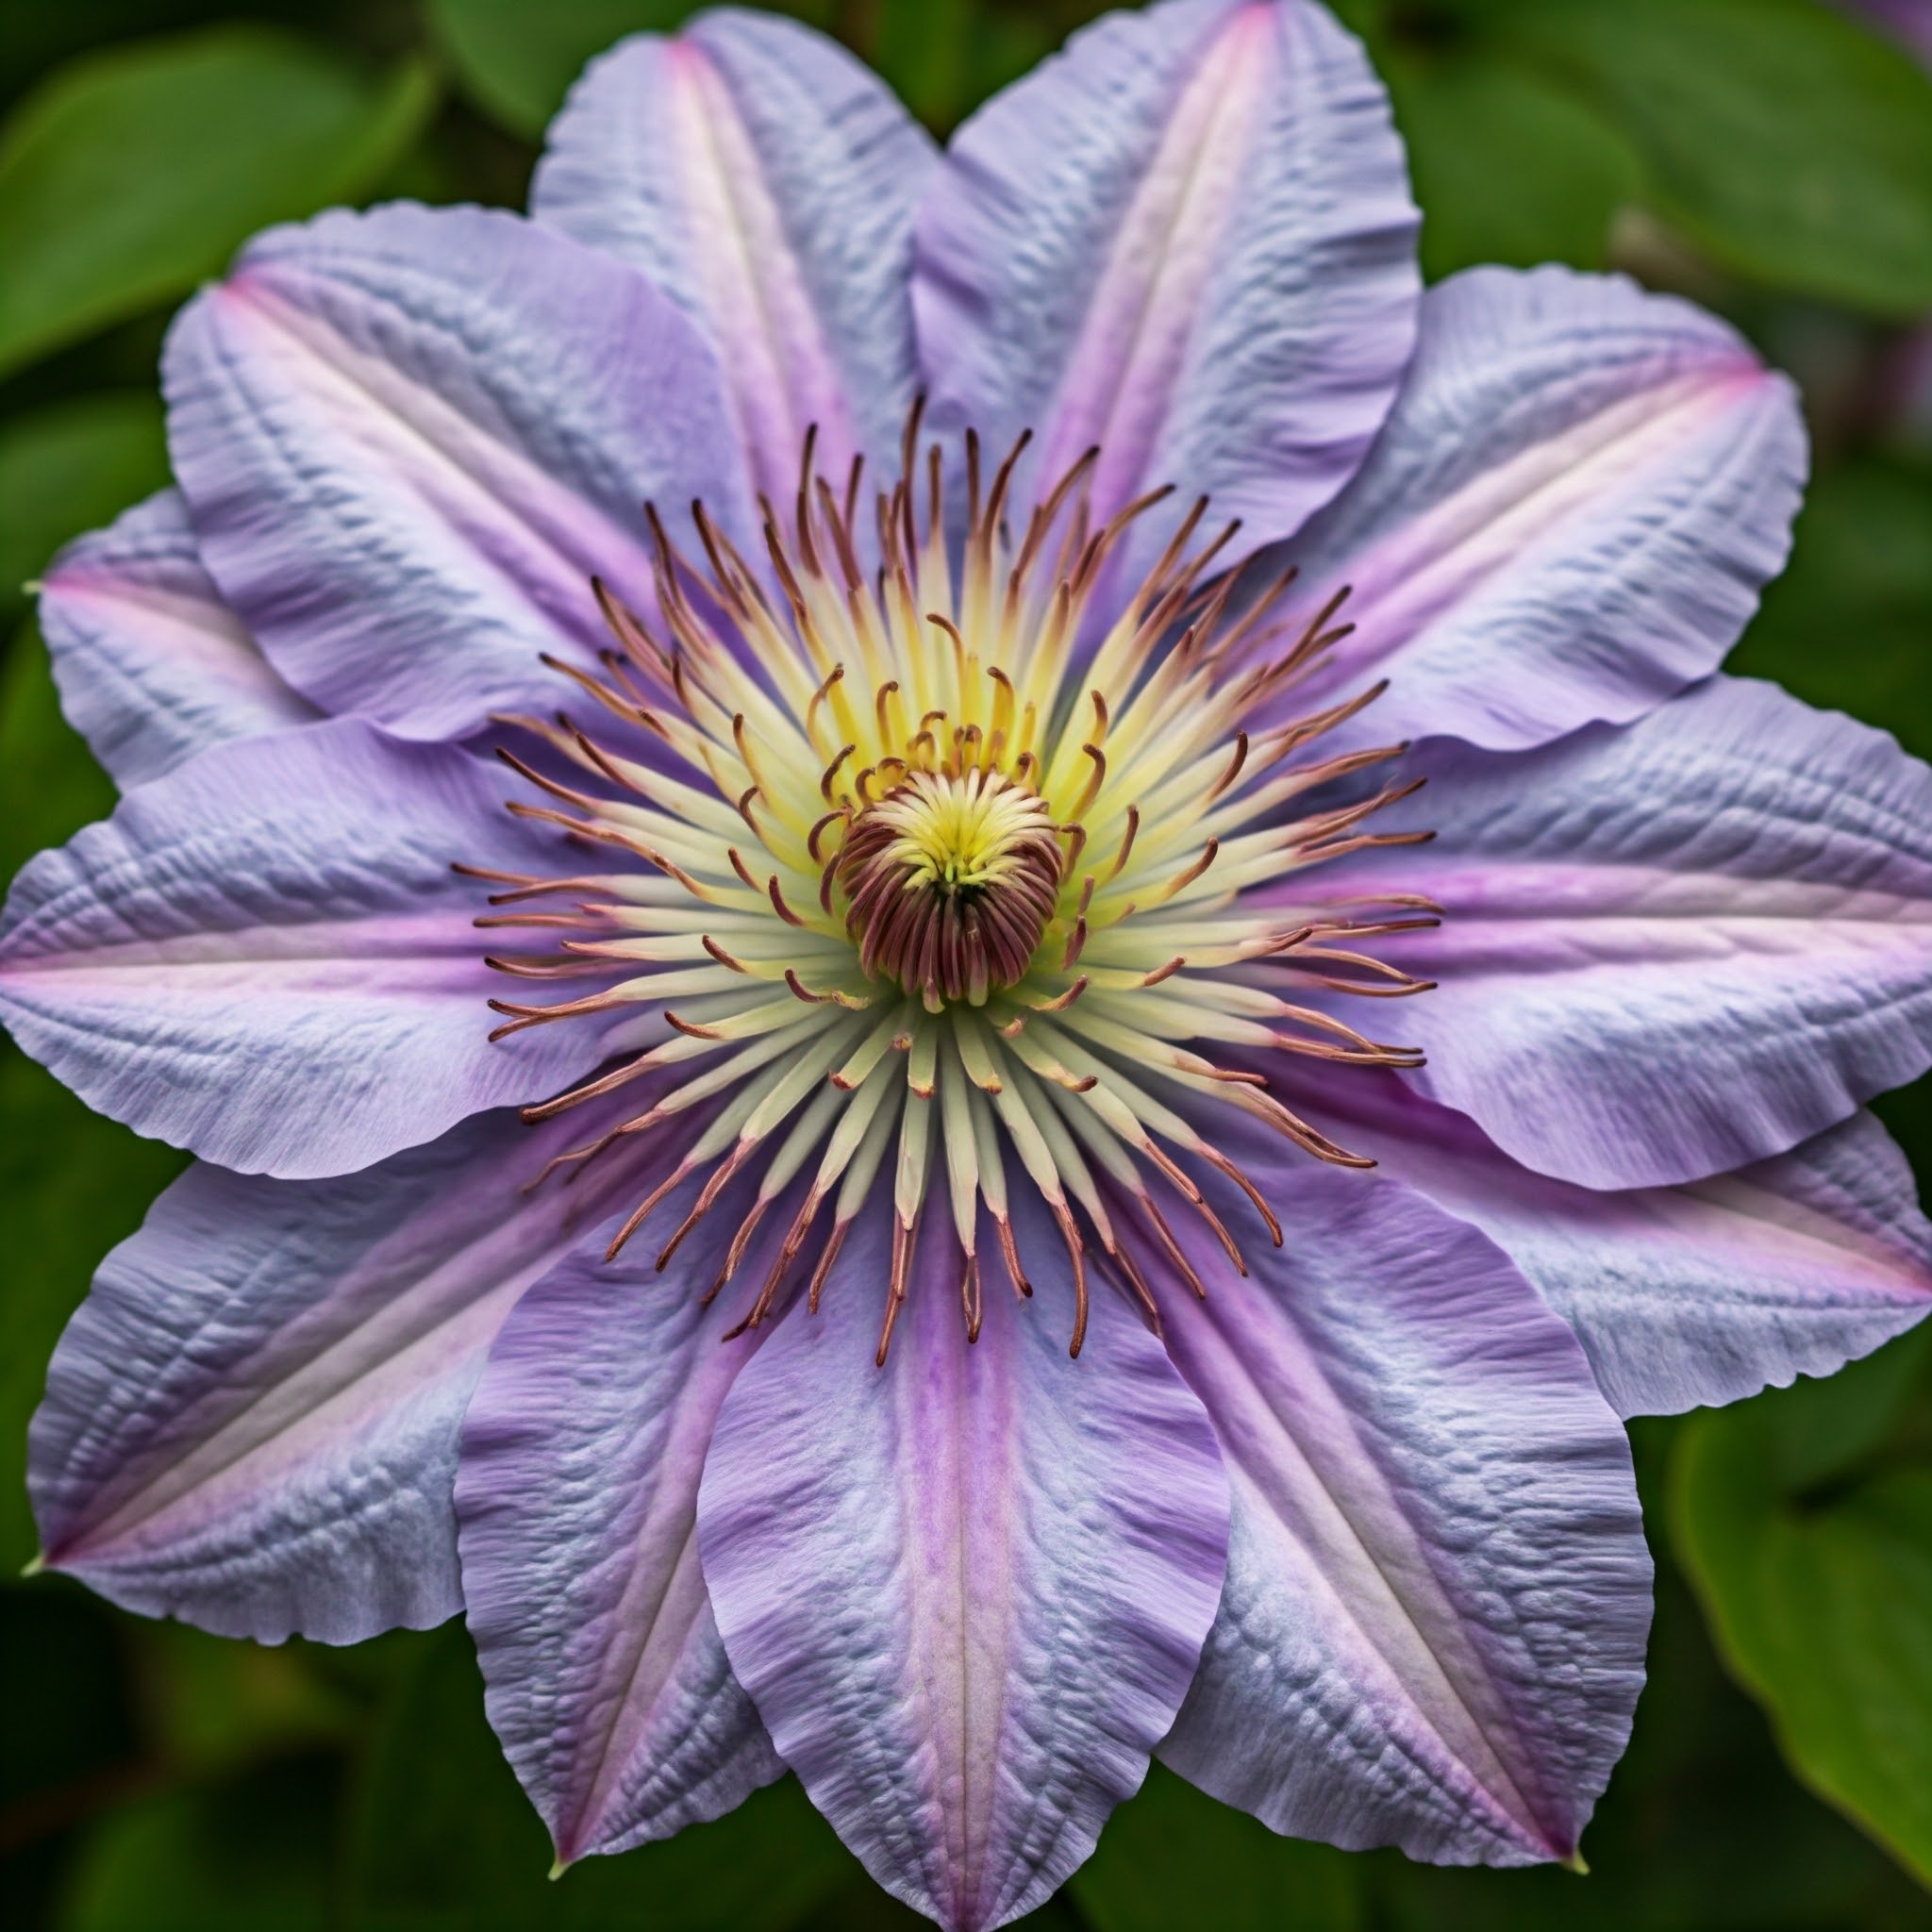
(1785, 141)
(444, 1840)
(1163, 1846)
(516, 61)
(943, 57)
(1809, 1544)
(233, 1857)
(66, 468)
(1848, 624)
(214, 1704)
(1507, 167)
(132, 175)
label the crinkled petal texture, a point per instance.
(765, 180)
(152, 666)
(409, 440)
(252, 1422)
(1569, 516)
(1682, 1296)
(1187, 239)
(1672, 949)
(967, 1590)
(265, 957)
(1437, 1592)
(577, 1495)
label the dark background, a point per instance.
(1772, 158)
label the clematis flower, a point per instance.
(970, 952)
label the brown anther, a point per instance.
(834, 1241)
(779, 905)
(1077, 1253)
(641, 1211)
(689, 1028)
(1061, 1002)
(1010, 1253)
(1091, 790)
(831, 771)
(1234, 768)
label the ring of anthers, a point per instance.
(917, 869)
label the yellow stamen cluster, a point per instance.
(961, 835)
(926, 863)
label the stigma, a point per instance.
(951, 879)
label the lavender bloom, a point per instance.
(927, 1277)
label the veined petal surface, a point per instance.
(1669, 948)
(265, 956)
(966, 1590)
(1437, 1592)
(1569, 516)
(252, 1422)
(765, 180)
(1682, 1296)
(152, 666)
(577, 1496)
(1187, 239)
(409, 439)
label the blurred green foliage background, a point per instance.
(1771, 158)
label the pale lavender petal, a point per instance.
(152, 666)
(1700, 1294)
(765, 180)
(1670, 948)
(966, 1591)
(1187, 239)
(1568, 518)
(578, 1500)
(408, 440)
(266, 957)
(252, 1422)
(1437, 1592)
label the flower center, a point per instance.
(909, 871)
(951, 879)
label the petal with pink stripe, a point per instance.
(252, 1422)
(266, 957)
(1568, 517)
(1683, 1297)
(765, 180)
(409, 439)
(577, 1497)
(1187, 239)
(152, 666)
(1670, 948)
(1437, 1590)
(967, 1590)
